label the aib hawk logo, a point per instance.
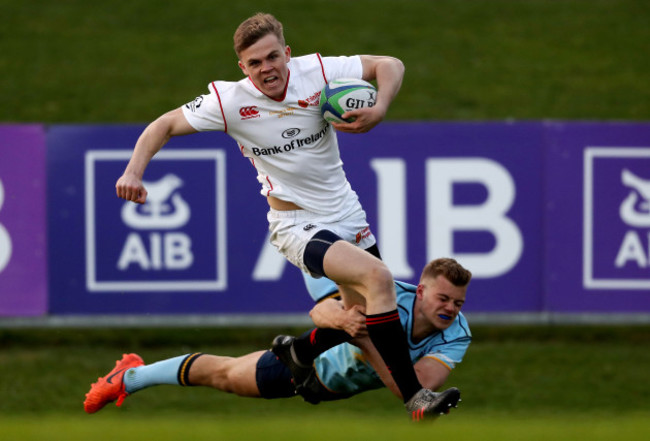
(617, 218)
(635, 208)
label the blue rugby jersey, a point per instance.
(343, 369)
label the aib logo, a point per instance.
(249, 112)
(164, 210)
(5, 240)
(617, 218)
(174, 242)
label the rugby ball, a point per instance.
(345, 94)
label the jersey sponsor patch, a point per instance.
(295, 143)
(284, 112)
(311, 101)
(193, 105)
(363, 234)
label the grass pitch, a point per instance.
(318, 427)
(518, 384)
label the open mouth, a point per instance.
(444, 316)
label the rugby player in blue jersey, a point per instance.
(437, 332)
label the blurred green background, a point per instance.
(131, 60)
(122, 61)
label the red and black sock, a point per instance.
(316, 341)
(388, 336)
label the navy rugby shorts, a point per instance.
(273, 377)
(274, 381)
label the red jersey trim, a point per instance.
(268, 193)
(322, 68)
(225, 123)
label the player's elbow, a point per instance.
(398, 65)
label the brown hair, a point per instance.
(255, 28)
(449, 268)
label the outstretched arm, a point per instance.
(331, 313)
(155, 136)
(431, 373)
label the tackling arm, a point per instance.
(331, 313)
(431, 373)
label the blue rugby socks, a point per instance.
(171, 371)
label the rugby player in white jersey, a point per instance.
(437, 331)
(315, 218)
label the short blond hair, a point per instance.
(449, 269)
(256, 27)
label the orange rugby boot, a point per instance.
(111, 387)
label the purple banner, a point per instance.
(550, 217)
(23, 272)
(466, 190)
(598, 217)
(193, 249)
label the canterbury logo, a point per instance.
(249, 112)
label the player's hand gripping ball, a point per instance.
(345, 94)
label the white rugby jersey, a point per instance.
(294, 150)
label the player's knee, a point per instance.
(230, 383)
(379, 281)
(219, 374)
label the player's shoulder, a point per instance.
(307, 60)
(459, 328)
(403, 287)
(320, 63)
(223, 87)
(230, 96)
(405, 297)
(309, 64)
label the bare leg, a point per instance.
(228, 374)
(362, 277)
(358, 273)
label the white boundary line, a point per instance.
(303, 320)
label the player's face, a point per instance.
(265, 62)
(440, 301)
